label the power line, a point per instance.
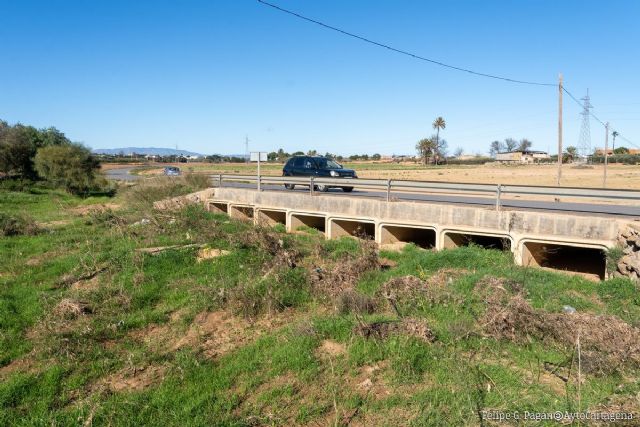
(628, 142)
(596, 117)
(403, 52)
(433, 61)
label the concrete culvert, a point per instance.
(354, 228)
(241, 212)
(311, 221)
(218, 207)
(456, 240)
(590, 262)
(422, 237)
(271, 217)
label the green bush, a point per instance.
(70, 166)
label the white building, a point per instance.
(526, 156)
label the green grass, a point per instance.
(54, 369)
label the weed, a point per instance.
(614, 255)
(17, 225)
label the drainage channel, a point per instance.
(456, 240)
(420, 236)
(353, 228)
(244, 213)
(270, 217)
(218, 207)
(584, 260)
(298, 220)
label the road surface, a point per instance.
(581, 208)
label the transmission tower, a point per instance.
(584, 142)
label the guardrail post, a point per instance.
(259, 183)
(311, 185)
(388, 190)
(498, 194)
(219, 180)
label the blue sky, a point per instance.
(203, 74)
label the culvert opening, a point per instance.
(345, 227)
(456, 240)
(311, 221)
(587, 261)
(218, 207)
(241, 212)
(422, 237)
(271, 218)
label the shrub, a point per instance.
(69, 166)
(17, 225)
(197, 181)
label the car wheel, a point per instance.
(289, 186)
(322, 188)
(347, 189)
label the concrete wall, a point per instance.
(338, 216)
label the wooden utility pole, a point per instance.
(606, 154)
(559, 129)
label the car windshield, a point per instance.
(328, 164)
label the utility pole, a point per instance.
(559, 128)
(606, 154)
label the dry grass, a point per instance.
(608, 343)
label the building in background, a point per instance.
(526, 157)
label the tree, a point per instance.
(621, 150)
(312, 153)
(376, 156)
(18, 146)
(272, 156)
(614, 134)
(442, 149)
(70, 166)
(17, 149)
(458, 152)
(495, 148)
(510, 144)
(438, 124)
(572, 152)
(524, 144)
(425, 148)
(282, 155)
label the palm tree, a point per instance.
(425, 149)
(438, 124)
(615, 133)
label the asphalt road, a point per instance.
(581, 208)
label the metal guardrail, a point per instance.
(389, 186)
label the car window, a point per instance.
(324, 163)
(308, 163)
(290, 162)
(299, 163)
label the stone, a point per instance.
(633, 263)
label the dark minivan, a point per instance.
(320, 167)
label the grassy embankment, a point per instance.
(286, 329)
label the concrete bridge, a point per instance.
(569, 242)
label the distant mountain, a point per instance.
(147, 151)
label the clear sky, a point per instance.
(203, 74)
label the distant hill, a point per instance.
(148, 151)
